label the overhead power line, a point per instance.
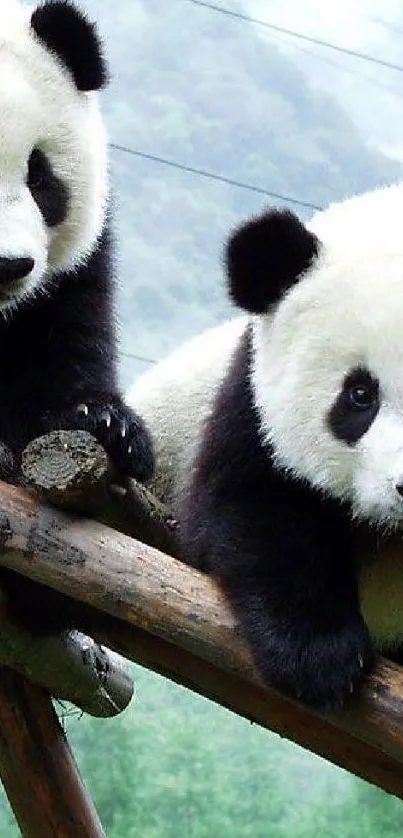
(142, 358)
(222, 178)
(213, 176)
(363, 56)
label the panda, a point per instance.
(57, 322)
(279, 442)
(57, 276)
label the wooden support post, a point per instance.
(37, 768)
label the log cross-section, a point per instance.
(164, 614)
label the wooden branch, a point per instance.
(171, 618)
(70, 665)
(70, 470)
(37, 768)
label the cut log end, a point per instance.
(65, 466)
(71, 470)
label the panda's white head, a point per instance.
(327, 367)
(53, 170)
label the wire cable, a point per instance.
(294, 34)
(213, 176)
(138, 357)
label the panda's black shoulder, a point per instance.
(230, 456)
(234, 462)
(73, 298)
(59, 343)
(231, 437)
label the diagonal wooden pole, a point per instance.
(37, 767)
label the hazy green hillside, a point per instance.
(209, 92)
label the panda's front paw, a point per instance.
(321, 669)
(121, 432)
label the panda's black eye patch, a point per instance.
(48, 191)
(356, 406)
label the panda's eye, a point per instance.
(48, 190)
(36, 170)
(355, 407)
(362, 396)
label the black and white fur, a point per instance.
(279, 441)
(57, 335)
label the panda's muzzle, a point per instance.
(12, 271)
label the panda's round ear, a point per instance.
(67, 33)
(265, 256)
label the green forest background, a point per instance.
(210, 92)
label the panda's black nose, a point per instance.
(399, 488)
(14, 269)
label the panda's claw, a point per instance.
(322, 668)
(120, 431)
(106, 417)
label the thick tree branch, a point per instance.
(169, 617)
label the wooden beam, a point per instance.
(37, 768)
(171, 618)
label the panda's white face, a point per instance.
(53, 177)
(329, 373)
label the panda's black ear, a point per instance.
(67, 33)
(265, 256)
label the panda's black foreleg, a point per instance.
(289, 575)
(117, 427)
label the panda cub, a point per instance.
(57, 336)
(279, 441)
